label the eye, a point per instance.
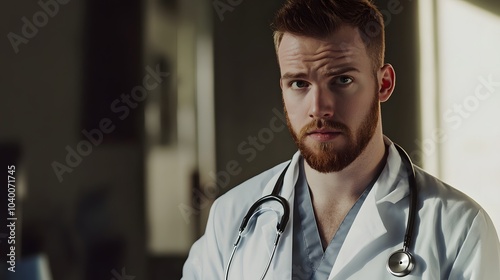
(343, 80)
(298, 84)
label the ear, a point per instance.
(386, 82)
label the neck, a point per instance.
(349, 184)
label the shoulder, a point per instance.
(227, 211)
(454, 233)
(448, 211)
(246, 193)
(443, 197)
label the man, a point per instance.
(347, 187)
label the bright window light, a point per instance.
(429, 146)
(469, 101)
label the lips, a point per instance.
(324, 135)
(324, 131)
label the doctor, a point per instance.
(347, 186)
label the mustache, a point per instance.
(323, 124)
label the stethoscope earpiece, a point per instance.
(400, 263)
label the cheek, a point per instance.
(358, 112)
(351, 113)
(295, 105)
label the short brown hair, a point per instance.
(321, 18)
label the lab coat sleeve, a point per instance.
(205, 260)
(479, 256)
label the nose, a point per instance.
(321, 103)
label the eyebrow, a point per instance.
(289, 75)
(341, 70)
(329, 73)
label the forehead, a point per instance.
(344, 46)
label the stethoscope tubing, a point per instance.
(402, 262)
(413, 197)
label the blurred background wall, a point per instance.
(126, 119)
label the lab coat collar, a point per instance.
(291, 176)
(392, 184)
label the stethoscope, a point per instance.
(400, 263)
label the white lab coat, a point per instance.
(454, 237)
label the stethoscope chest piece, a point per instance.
(400, 263)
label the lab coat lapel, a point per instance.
(367, 227)
(390, 187)
(289, 181)
(282, 262)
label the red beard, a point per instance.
(326, 157)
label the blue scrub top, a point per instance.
(309, 261)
